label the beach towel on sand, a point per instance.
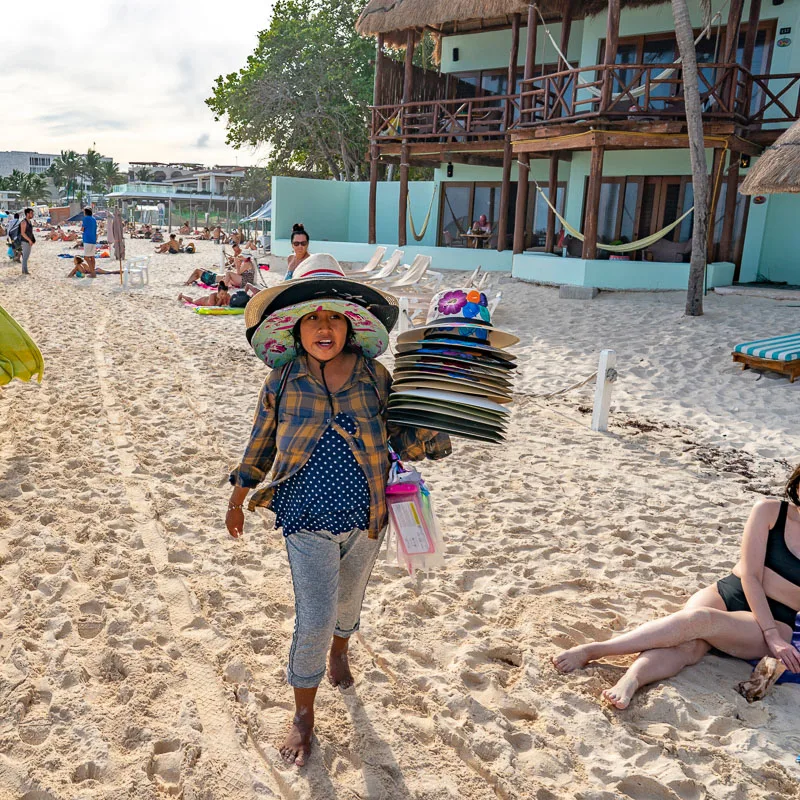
(19, 355)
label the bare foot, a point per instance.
(339, 666)
(621, 693)
(296, 746)
(572, 659)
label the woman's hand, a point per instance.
(234, 522)
(783, 650)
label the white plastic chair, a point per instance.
(136, 271)
(413, 274)
(372, 264)
(390, 267)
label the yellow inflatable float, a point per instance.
(19, 355)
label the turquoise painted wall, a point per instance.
(322, 206)
(780, 248)
(491, 49)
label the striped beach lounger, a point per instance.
(781, 354)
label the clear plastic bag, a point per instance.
(412, 521)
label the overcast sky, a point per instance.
(129, 78)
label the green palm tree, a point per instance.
(110, 175)
(144, 174)
(93, 167)
(33, 188)
(69, 167)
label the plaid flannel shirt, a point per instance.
(285, 444)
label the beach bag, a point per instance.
(412, 521)
(239, 299)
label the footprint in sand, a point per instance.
(164, 767)
(33, 712)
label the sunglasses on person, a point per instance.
(300, 244)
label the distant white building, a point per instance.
(24, 161)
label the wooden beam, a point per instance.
(530, 47)
(566, 27)
(520, 216)
(408, 82)
(750, 36)
(612, 43)
(505, 186)
(592, 204)
(732, 31)
(505, 197)
(731, 196)
(712, 201)
(373, 193)
(552, 192)
(377, 89)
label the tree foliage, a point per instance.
(304, 91)
(32, 187)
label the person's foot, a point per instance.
(339, 673)
(296, 747)
(572, 659)
(621, 693)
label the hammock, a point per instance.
(639, 244)
(638, 91)
(421, 235)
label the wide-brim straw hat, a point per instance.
(460, 313)
(319, 284)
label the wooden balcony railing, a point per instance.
(631, 91)
(636, 92)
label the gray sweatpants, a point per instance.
(26, 252)
(330, 574)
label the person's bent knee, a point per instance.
(694, 650)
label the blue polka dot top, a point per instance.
(329, 493)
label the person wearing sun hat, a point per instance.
(320, 427)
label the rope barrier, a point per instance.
(558, 392)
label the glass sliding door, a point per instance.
(456, 210)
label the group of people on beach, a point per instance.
(320, 443)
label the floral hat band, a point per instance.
(463, 313)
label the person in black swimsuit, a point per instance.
(749, 614)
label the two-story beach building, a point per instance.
(551, 121)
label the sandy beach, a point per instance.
(143, 650)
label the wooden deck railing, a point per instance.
(637, 92)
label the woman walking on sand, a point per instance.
(320, 426)
(749, 614)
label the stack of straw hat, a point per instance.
(453, 373)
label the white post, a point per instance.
(606, 375)
(403, 322)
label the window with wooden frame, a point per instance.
(536, 225)
(462, 204)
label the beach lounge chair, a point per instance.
(780, 354)
(414, 275)
(372, 264)
(389, 268)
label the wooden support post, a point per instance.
(593, 203)
(552, 195)
(606, 376)
(530, 45)
(731, 194)
(505, 186)
(752, 32)
(566, 27)
(520, 216)
(408, 79)
(713, 197)
(612, 42)
(377, 97)
(732, 31)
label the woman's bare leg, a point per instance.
(672, 643)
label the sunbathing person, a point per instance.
(184, 229)
(205, 276)
(221, 297)
(205, 235)
(219, 236)
(241, 273)
(748, 614)
(82, 269)
(69, 236)
(172, 245)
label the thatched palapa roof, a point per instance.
(446, 16)
(778, 170)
